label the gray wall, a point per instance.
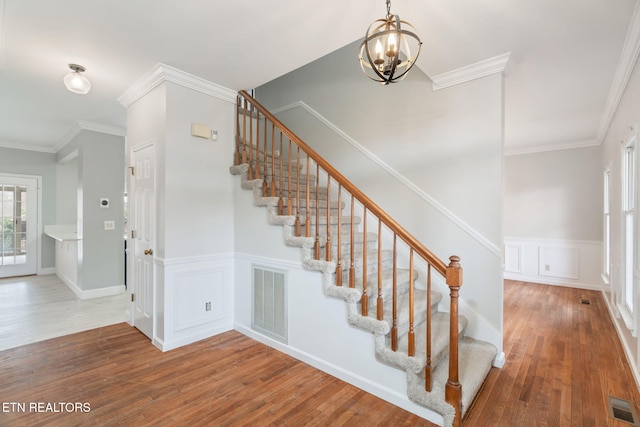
(447, 144)
(100, 174)
(554, 195)
(42, 164)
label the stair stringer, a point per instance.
(413, 366)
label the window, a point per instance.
(629, 222)
(606, 233)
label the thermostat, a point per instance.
(104, 202)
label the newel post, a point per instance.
(453, 390)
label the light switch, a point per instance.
(109, 225)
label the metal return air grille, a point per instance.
(622, 410)
(269, 314)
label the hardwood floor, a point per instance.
(563, 359)
(36, 308)
(222, 381)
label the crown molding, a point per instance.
(161, 73)
(626, 65)
(81, 125)
(489, 66)
(551, 147)
(26, 147)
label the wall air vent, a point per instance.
(622, 410)
(269, 315)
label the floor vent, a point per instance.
(269, 314)
(585, 301)
(622, 410)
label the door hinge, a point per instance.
(132, 169)
(133, 234)
(133, 297)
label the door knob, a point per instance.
(148, 252)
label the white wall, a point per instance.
(553, 217)
(194, 207)
(627, 115)
(432, 160)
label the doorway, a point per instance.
(18, 225)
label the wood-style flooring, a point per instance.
(563, 359)
(36, 308)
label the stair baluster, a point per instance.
(328, 244)
(428, 380)
(265, 178)
(339, 246)
(297, 223)
(289, 187)
(352, 268)
(250, 172)
(273, 160)
(257, 146)
(394, 296)
(281, 189)
(365, 296)
(412, 334)
(307, 212)
(316, 244)
(379, 301)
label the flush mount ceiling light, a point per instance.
(386, 52)
(75, 81)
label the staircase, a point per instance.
(383, 273)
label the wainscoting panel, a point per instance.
(573, 263)
(512, 258)
(559, 262)
(198, 298)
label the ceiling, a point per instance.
(560, 80)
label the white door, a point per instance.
(18, 225)
(142, 236)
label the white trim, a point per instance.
(168, 262)
(40, 225)
(81, 125)
(626, 65)
(46, 271)
(162, 72)
(486, 67)
(493, 248)
(625, 345)
(275, 263)
(26, 146)
(93, 293)
(552, 282)
(362, 383)
(551, 147)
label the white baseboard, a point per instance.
(625, 345)
(362, 383)
(546, 281)
(92, 293)
(190, 339)
(46, 271)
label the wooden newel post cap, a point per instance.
(454, 272)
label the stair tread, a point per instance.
(439, 335)
(474, 361)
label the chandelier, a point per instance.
(386, 51)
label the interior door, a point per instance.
(142, 214)
(18, 225)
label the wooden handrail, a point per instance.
(393, 225)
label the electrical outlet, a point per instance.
(109, 225)
(207, 306)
